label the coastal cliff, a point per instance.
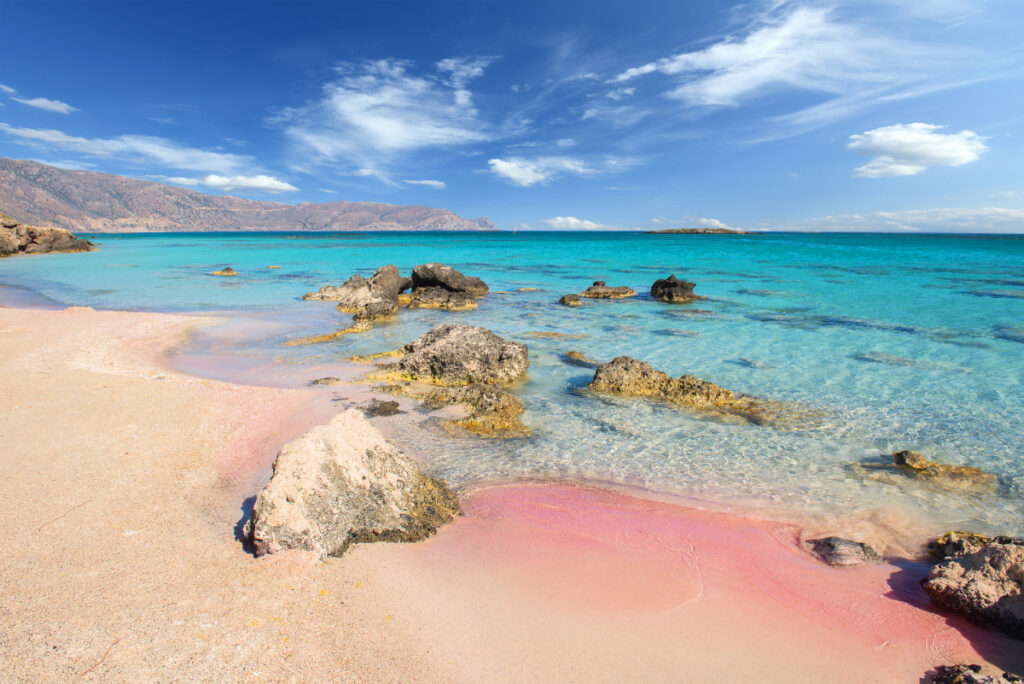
(86, 201)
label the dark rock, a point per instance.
(376, 408)
(439, 275)
(570, 300)
(459, 355)
(342, 483)
(492, 410)
(226, 271)
(629, 377)
(673, 290)
(969, 674)
(987, 586)
(837, 551)
(602, 291)
(370, 299)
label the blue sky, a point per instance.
(887, 115)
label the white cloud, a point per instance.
(436, 184)
(616, 115)
(7, 89)
(526, 172)
(258, 183)
(49, 105)
(909, 149)
(135, 148)
(376, 110)
(804, 48)
(701, 222)
(620, 93)
(985, 220)
(565, 142)
(1005, 195)
(572, 223)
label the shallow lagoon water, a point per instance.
(895, 341)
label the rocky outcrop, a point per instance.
(969, 674)
(19, 238)
(839, 552)
(628, 377)
(912, 466)
(491, 410)
(673, 290)
(378, 409)
(960, 543)
(987, 585)
(342, 483)
(570, 300)
(601, 291)
(370, 299)
(436, 286)
(460, 355)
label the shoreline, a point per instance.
(125, 564)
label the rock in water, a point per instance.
(226, 271)
(960, 543)
(342, 483)
(366, 299)
(601, 291)
(575, 358)
(987, 586)
(460, 355)
(492, 410)
(629, 377)
(673, 290)
(911, 465)
(970, 674)
(19, 238)
(570, 300)
(376, 408)
(439, 275)
(440, 298)
(840, 552)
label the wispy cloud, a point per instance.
(909, 149)
(436, 184)
(526, 172)
(138, 148)
(374, 111)
(571, 223)
(48, 105)
(949, 220)
(7, 89)
(803, 48)
(258, 183)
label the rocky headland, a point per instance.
(19, 238)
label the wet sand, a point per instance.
(122, 485)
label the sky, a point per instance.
(892, 115)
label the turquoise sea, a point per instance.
(896, 342)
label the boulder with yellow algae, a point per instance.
(491, 410)
(460, 355)
(226, 271)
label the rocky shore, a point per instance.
(18, 238)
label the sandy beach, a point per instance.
(123, 485)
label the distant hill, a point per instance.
(86, 201)
(696, 231)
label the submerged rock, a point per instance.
(629, 377)
(673, 290)
(492, 410)
(19, 238)
(839, 552)
(342, 483)
(459, 355)
(226, 271)
(914, 466)
(377, 408)
(601, 291)
(970, 674)
(570, 300)
(986, 586)
(575, 358)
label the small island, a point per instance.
(696, 231)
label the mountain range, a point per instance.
(88, 202)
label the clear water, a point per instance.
(902, 341)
